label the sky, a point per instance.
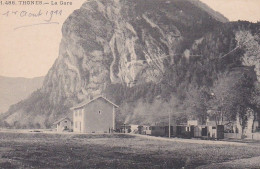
(237, 9)
(29, 50)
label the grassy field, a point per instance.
(39, 150)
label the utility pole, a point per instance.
(169, 124)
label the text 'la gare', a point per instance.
(61, 3)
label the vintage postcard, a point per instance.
(130, 84)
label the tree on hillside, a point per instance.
(256, 96)
(222, 98)
(231, 95)
(196, 101)
(255, 100)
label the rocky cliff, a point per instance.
(117, 42)
(126, 42)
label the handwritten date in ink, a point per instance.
(48, 15)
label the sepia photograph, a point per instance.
(130, 84)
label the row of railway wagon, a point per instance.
(181, 131)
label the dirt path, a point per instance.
(195, 141)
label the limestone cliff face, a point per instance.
(109, 42)
(251, 45)
(118, 41)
